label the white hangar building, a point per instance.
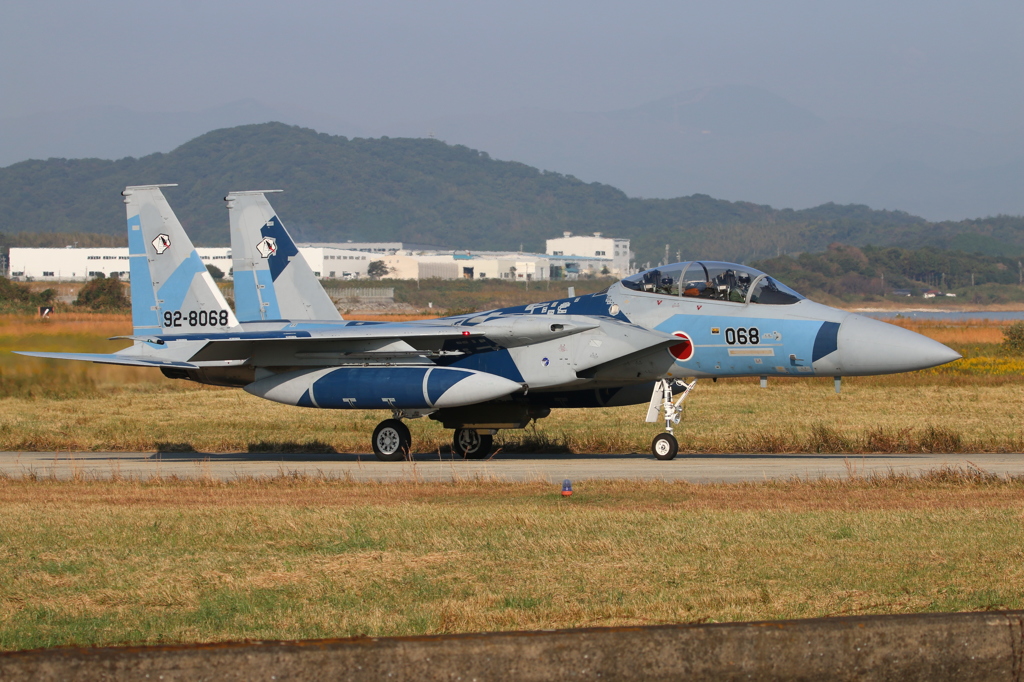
(73, 264)
(594, 247)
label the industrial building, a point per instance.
(73, 264)
(567, 258)
(595, 246)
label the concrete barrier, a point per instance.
(960, 646)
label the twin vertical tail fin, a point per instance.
(172, 292)
(272, 279)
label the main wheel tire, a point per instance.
(392, 441)
(664, 446)
(469, 444)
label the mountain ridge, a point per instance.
(422, 190)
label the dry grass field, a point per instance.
(91, 563)
(730, 416)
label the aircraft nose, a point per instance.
(868, 346)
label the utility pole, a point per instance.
(665, 262)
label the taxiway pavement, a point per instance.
(729, 468)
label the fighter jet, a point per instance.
(645, 339)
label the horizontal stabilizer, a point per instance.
(340, 333)
(109, 359)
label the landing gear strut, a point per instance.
(665, 446)
(471, 444)
(392, 441)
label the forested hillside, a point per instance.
(427, 192)
(849, 273)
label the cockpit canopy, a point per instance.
(713, 280)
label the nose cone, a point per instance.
(868, 346)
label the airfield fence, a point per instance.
(365, 294)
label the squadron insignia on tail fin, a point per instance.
(272, 279)
(172, 292)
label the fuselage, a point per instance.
(593, 350)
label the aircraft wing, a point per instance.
(380, 340)
(326, 344)
(340, 333)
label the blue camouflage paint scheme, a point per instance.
(247, 300)
(286, 249)
(486, 356)
(440, 380)
(826, 341)
(371, 388)
(176, 288)
(381, 387)
(265, 279)
(799, 338)
(596, 305)
(497, 362)
(144, 317)
(247, 303)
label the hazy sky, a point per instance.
(957, 63)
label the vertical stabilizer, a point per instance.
(172, 292)
(272, 279)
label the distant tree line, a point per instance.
(849, 272)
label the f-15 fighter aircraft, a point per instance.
(636, 342)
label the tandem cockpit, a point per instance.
(715, 281)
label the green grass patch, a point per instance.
(98, 563)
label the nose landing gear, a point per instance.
(665, 446)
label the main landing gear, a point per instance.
(472, 444)
(392, 441)
(665, 446)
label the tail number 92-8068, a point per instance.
(742, 336)
(196, 318)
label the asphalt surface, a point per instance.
(518, 467)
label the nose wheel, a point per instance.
(664, 446)
(669, 407)
(392, 441)
(471, 444)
